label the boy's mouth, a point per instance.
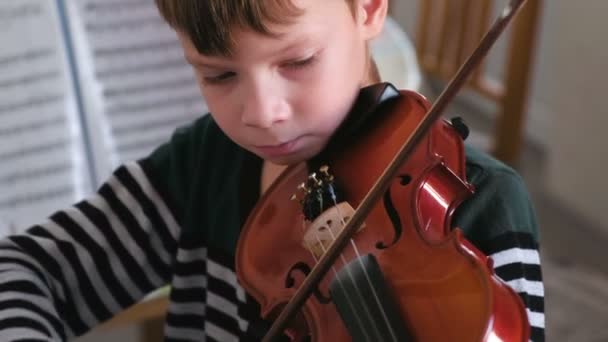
(279, 150)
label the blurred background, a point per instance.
(88, 84)
(555, 65)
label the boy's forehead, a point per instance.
(288, 37)
(247, 43)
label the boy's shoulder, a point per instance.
(200, 167)
(482, 167)
(501, 202)
(197, 141)
(203, 128)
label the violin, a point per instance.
(365, 250)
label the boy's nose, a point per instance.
(264, 109)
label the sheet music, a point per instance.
(41, 158)
(146, 89)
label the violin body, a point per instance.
(443, 288)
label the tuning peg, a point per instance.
(314, 179)
(325, 172)
(302, 187)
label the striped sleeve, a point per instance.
(500, 220)
(517, 262)
(87, 263)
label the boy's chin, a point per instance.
(290, 159)
(286, 160)
(306, 149)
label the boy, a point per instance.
(279, 77)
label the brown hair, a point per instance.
(209, 23)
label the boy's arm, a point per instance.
(500, 221)
(87, 263)
(517, 262)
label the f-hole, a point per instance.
(305, 269)
(392, 213)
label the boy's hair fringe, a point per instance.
(210, 23)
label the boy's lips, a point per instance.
(278, 150)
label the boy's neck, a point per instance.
(270, 172)
(373, 73)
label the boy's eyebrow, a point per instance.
(193, 61)
(295, 43)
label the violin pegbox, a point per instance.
(325, 212)
(318, 193)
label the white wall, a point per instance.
(578, 138)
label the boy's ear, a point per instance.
(371, 15)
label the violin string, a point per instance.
(350, 303)
(376, 298)
(348, 299)
(367, 277)
(348, 270)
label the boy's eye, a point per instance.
(219, 78)
(227, 76)
(302, 63)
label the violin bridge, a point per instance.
(320, 233)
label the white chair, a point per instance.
(396, 58)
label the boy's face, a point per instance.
(282, 97)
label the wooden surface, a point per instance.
(148, 310)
